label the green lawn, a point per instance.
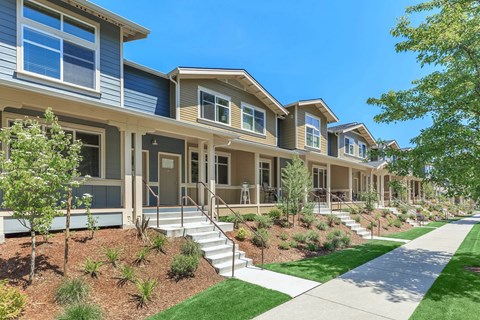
(437, 224)
(327, 267)
(411, 234)
(231, 299)
(456, 292)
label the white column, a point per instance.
(127, 179)
(138, 199)
(370, 184)
(329, 184)
(2, 235)
(390, 188)
(211, 174)
(382, 190)
(257, 178)
(379, 188)
(409, 187)
(350, 184)
(201, 172)
(414, 190)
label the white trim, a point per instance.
(219, 95)
(344, 145)
(296, 127)
(179, 156)
(122, 71)
(360, 144)
(147, 168)
(270, 170)
(217, 153)
(254, 108)
(319, 130)
(325, 168)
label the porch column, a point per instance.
(379, 188)
(408, 191)
(329, 183)
(390, 196)
(127, 179)
(211, 174)
(382, 190)
(2, 234)
(413, 191)
(370, 183)
(201, 172)
(138, 199)
(257, 179)
(350, 184)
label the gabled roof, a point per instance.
(131, 30)
(376, 164)
(320, 104)
(389, 144)
(343, 128)
(240, 75)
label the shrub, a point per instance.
(300, 237)
(321, 225)
(308, 220)
(390, 222)
(127, 274)
(312, 247)
(81, 311)
(142, 256)
(264, 222)
(184, 266)
(191, 248)
(293, 244)
(145, 290)
(92, 267)
(242, 234)
(275, 214)
(385, 213)
(412, 216)
(159, 243)
(312, 236)
(337, 239)
(249, 217)
(403, 217)
(284, 245)
(346, 240)
(404, 210)
(113, 255)
(261, 238)
(356, 218)
(397, 223)
(12, 301)
(72, 291)
(333, 219)
(236, 219)
(284, 236)
(329, 246)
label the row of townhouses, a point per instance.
(146, 132)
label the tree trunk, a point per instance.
(32, 257)
(67, 231)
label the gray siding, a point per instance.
(110, 60)
(146, 92)
(332, 145)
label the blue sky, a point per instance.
(339, 50)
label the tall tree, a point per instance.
(448, 39)
(39, 167)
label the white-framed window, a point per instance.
(222, 167)
(312, 131)
(58, 46)
(319, 175)
(265, 172)
(253, 119)
(362, 150)
(214, 107)
(349, 146)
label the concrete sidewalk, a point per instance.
(388, 287)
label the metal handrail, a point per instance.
(158, 202)
(239, 217)
(188, 198)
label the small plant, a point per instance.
(92, 221)
(293, 244)
(321, 225)
(145, 290)
(413, 216)
(312, 236)
(92, 267)
(142, 256)
(329, 246)
(385, 213)
(333, 219)
(261, 238)
(397, 223)
(404, 210)
(390, 222)
(284, 245)
(81, 311)
(356, 218)
(113, 255)
(355, 210)
(275, 214)
(369, 198)
(337, 239)
(249, 217)
(312, 247)
(308, 220)
(403, 217)
(72, 291)
(346, 240)
(127, 274)
(159, 243)
(12, 301)
(191, 248)
(236, 219)
(242, 234)
(264, 222)
(300, 237)
(284, 236)
(184, 266)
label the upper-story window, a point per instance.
(362, 150)
(349, 146)
(253, 119)
(312, 131)
(214, 107)
(58, 46)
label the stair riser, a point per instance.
(210, 253)
(204, 236)
(239, 264)
(162, 209)
(166, 215)
(170, 221)
(226, 259)
(215, 243)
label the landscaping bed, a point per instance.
(386, 222)
(115, 302)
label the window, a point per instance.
(222, 168)
(362, 150)
(58, 46)
(319, 177)
(253, 119)
(349, 146)
(264, 173)
(312, 131)
(214, 108)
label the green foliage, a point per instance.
(242, 234)
(284, 236)
(236, 219)
(333, 219)
(127, 274)
(284, 245)
(399, 187)
(113, 255)
(370, 198)
(145, 290)
(12, 301)
(191, 248)
(293, 244)
(308, 220)
(275, 214)
(337, 239)
(264, 222)
(72, 291)
(312, 247)
(385, 213)
(184, 266)
(356, 218)
(300, 237)
(159, 243)
(261, 238)
(354, 210)
(81, 311)
(249, 217)
(403, 217)
(397, 223)
(390, 222)
(412, 216)
(142, 256)
(404, 210)
(92, 267)
(312, 236)
(296, 183)
(321, 225)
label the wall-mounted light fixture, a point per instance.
(154, 142)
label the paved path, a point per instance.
(388, 287)
(391, 239)
(290, 285)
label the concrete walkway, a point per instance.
(290, 285)
(391, 239)
(388, 287)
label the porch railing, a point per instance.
(185, 200)
(158, 201)
(219, 200)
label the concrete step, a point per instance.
(225, 257)
(212, 242)
(165, 215)
(225, 268)
(177, 220)
(168, 209)
(212, 251)
(204, 235)
(175, 230)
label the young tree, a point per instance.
(296, 184)
(40, 165)
(448, 40)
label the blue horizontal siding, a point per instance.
(146, 92)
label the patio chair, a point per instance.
(269, 193)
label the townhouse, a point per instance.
(148, 133)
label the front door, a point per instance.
(169, 182)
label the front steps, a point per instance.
(351, 224)
(395, 211)
(216, 249)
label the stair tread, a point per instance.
(220, 247)
(229, 263)
(226, 254)
(210, 240)
(206, 233)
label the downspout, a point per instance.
(177, 97)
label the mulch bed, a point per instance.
(274, 254)
(384, 228)
(116, 303)
(473, 269)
